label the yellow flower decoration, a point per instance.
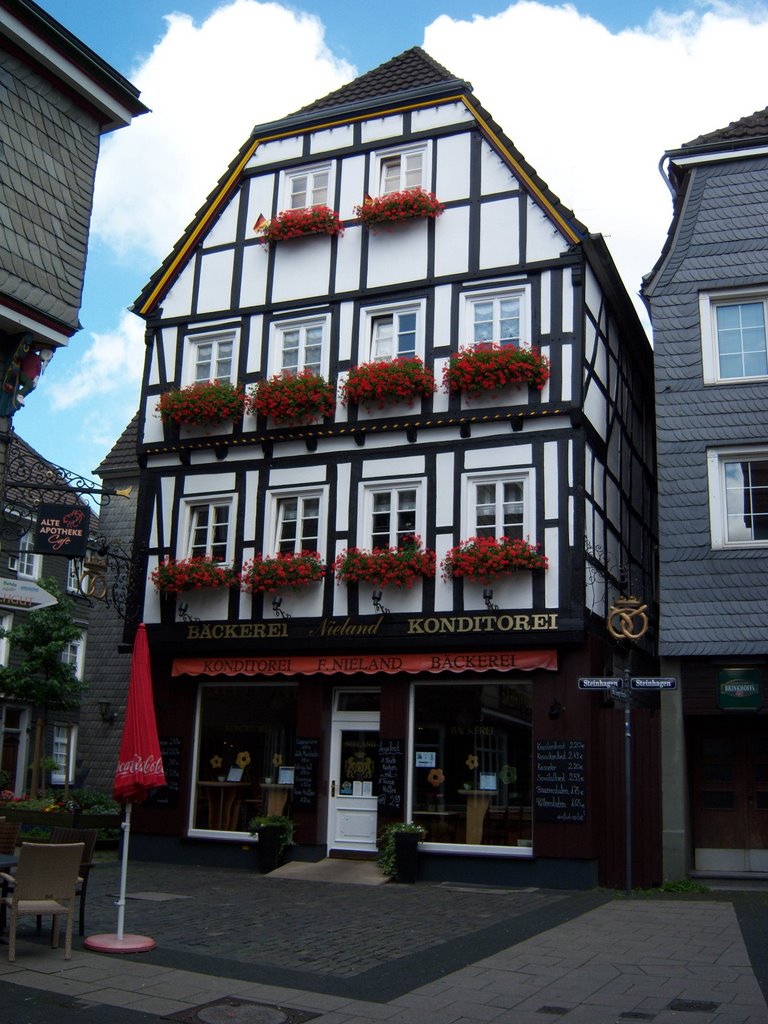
(471, 761)
(435, 777)
(243, 759)
(277, 760)
(216, 761)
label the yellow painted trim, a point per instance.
(231, 180)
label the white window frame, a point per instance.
(382, 158)
(215, 338)
(717, 458)
(278, 330)
(289, 178)
(371, 315)
(189, 505)
(469, 299)
(74, 575)
(76, 648)
(26, 564)
(275, 500)
(709, 303)
(6, 622)
(469, 501)
(371, 489)
(60, 744)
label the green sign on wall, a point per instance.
(739, 689)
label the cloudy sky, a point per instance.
(592, 93)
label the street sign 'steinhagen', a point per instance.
(599, 683)
(653, 683)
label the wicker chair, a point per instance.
(86, 836)
(9, 836)
(44, 883)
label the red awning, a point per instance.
(368, 664)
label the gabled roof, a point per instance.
(751, 127)
(410, 70)
(122, 459)
(412, 78)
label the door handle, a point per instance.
(333, 788)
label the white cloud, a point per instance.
(207, 85)
(594, 111)
(111, 364)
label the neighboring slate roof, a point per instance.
(409, 70)
(122, 459)
(751, 127)
(409, 74)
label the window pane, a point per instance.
(380, 527)
(406, 334)
(381, 348)
(406, 517)
(310, 524)
(320, 188)
(390, 175)
(741, 340)
(486, 510)
(224, 360)
(203, 361)
(287, 523)
(199, 530)
(746, 500)
(509, 321)
(413, 175)
(299, 186)
(513, 509)
(314, 348)
(220, 531)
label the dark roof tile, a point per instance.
(750, 127)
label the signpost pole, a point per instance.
(628, 782)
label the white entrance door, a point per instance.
(353, 802)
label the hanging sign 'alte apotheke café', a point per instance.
(348, 628)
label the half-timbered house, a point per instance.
(448, 399)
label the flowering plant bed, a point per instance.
(288, 397)
(311, 220)
(261, 574)
(410, 204)
(485, 369)
(381, 383)
(174, 576)
(486, 558)
(206, 402)
(398, 567)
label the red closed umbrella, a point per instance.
(139, 768)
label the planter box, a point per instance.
(37, 818)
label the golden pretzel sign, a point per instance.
(627, 619)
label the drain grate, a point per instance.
(555, 1010)
(636, 1015)
(693, 1005)
(240, 1011)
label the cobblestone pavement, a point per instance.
(236, 946)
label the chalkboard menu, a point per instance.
(561, 787)
(306, 754)
(168, 795)
(390, 775)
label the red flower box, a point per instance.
(174, 576)
(410, 204)
(486, 369)
(485, 558)
(310, 220)
(293, 397)
(398, 567)
(203, 403)
(263, 574)
(386, 382)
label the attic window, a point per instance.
(307, 186)
(397, 170)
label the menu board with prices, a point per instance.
(560, 793)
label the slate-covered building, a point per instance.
(393, 224)
(707, 297)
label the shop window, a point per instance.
(734, 339)
(497, 318)
(738, 491)
(244, 755)
(471, 774)
(25, 563)
(393, 514)
(63, 736)
(307, 186)
(209, 530)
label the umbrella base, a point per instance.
(112, 944)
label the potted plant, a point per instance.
(293, 397)
(485, 558)
(399, 850)
(175, 576)
(310, 220)
(486, 369)
(275, 834)
(398, 567)
(384, 382)
(204, 403)
(263, 573)
(410, 204)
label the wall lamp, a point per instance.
(277, 608)
(488, 598)
(555, 709)
(376, 598)
(106, 714)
